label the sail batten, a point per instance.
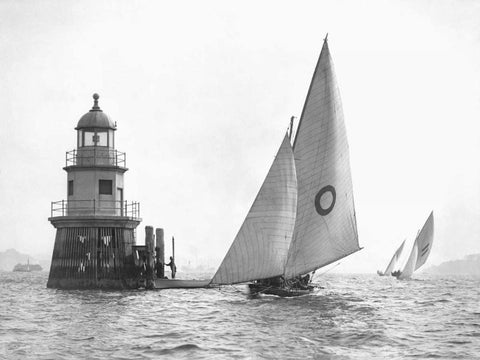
(325, 228)
(260, 248)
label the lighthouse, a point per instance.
(95, 225)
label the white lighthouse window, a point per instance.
(111, 139)
(102, 138)
(89, 138)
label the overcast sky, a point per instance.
(202, 93)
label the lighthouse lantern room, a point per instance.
(95, 224)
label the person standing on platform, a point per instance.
(172, 267)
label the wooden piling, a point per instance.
(160, 253)
(150, 245)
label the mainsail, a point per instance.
(394, 260)
(424, 241)
(260, 248)
(421, 249)
(325, 227)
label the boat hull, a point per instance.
(258, 289)
(180, 284)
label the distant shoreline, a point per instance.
(469, 265)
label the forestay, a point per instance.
(260, 248)
(326, 227)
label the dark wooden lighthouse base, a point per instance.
(93, 252)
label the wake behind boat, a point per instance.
(304, 215)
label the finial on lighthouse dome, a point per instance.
(96, 118)
(95, 102)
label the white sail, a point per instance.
(424, 241)
(326, 227)
(394, 260)
(260, 249)
(409, 267)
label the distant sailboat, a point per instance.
(392, 262)
(420, 250)
(305, 218)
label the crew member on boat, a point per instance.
(396, 273)
(300, 282)
(276, 281)
(172, 267)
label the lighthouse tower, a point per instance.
(95, 224)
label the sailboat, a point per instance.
(420, 250)
(393, 262)
(303, 217)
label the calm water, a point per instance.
(355, 316)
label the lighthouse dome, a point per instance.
(95, 118)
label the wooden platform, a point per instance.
(180, 284)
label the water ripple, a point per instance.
(353, 317)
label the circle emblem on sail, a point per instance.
(318, 203)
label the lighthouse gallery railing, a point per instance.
(95, 208)
(95, 156)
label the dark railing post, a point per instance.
(63, 207)
(94, 207)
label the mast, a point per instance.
(291, 128)
(309, 90)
